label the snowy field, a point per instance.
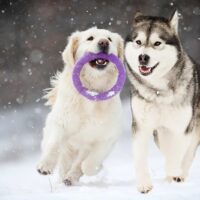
(19, 179)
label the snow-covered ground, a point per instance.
(19, 179)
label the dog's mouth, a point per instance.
(146, 70)
(99, 63)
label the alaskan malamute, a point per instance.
(165, 97)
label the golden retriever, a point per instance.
(79, 133)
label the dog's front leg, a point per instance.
(140, 151)
(50, 147)
(189, 156)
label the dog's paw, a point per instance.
(177, 179)
(67, 182)
(43, 172)
(70, 180)
(144, 186)
(72, 177)
(44, 169)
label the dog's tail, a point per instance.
(50, 94)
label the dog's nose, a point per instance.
(143, 59)
(103, 45)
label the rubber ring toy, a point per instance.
(93, 95)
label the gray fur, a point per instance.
(165, 97)
(185, 75)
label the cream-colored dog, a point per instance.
(80, 133)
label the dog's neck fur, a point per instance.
(176, 80)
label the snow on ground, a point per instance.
(19, 179)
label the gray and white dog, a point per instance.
(165, 97)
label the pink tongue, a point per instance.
(144, 68)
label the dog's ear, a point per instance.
(68, 54)
(174, 21)
(138, 15)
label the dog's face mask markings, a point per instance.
(152, 42)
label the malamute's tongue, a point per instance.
(145, 69)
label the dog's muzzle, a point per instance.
(100, 64)
(146, 70)
(103, 45)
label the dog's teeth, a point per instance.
(101, 62)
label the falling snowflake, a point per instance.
(118, 22)
(187, 28)
(196, 11)
(30, 72)
(23, 63)
(37, 100)
(36, 56)
(20, 99)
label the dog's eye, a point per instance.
(91, 38)
(138, 42)
(157, 44)
(109, 39)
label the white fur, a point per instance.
(165, 55)
(80, 133)
(170, 121)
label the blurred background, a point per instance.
(33, 34)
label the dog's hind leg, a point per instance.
(189, 156)
(93, 162)
(174, 147)
(66, 159)
(73, 172)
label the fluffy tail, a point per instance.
(50, 94)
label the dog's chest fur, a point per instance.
(156, 115)
(85, 120)
(169, 105)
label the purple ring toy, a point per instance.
(93, 95)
